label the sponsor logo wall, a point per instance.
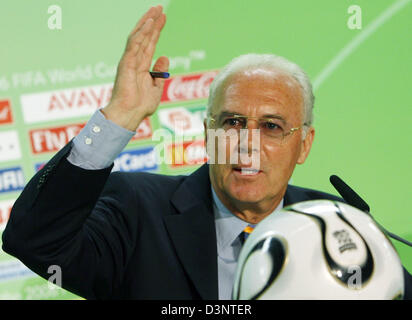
(48, 120)
(53, 81)
(181, 112)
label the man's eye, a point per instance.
(272, 126)
(232, 122)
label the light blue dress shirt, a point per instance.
(228, 229)
(99, 143)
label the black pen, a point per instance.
(157, 74)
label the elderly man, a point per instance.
(147, 236)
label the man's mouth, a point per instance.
(247, 171)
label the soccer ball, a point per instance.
(318, 249)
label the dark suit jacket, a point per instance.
(122, 235)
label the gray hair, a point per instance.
(265, 61)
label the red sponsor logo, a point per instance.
(5, 112)
(144, 130)
(5, 214)
(190, 87)
(187, 153)
(53, 139)
(5, 209)
(180, 120)
(96, 97)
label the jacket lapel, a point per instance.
(193, 232)
(293, 195)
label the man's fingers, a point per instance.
(148, 46)
(162, 65)
(153, 12)
(141, 43)
(139, 37)
(134, 43)
(159, 24)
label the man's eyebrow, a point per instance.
(274, 116)
(228, 113)
(266, 116)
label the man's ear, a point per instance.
(306, 145)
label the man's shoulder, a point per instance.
(147, 180)
(296, 194)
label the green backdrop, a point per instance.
(361, 77)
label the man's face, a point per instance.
(261, 93)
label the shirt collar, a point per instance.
(228, 225)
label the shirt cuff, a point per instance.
(99, 143)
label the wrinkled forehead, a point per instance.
(267, 86)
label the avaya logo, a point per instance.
(53, 139)
(5, 112)
(187, 153)
(67, 103)
(79, 99)
(195, 86)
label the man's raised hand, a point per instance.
(136, 94)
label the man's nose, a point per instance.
(252, 124)
(249, 140)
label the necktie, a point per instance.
(246, 232)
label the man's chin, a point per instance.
(246, 194)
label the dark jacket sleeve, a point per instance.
(74, 218)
